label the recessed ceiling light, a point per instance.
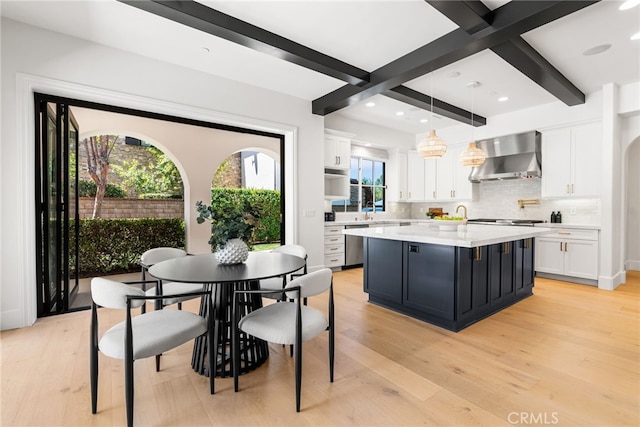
(629, 4)
(503, 98)
(205, 49)
(423, 120)
(370, 104)
(636, 36)
(453, 74)
(597, 49)
(368, 144)
(400, 113)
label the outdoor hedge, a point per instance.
(89, 188)
(268, 203)
(111, 246)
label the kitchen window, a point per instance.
(366, 187)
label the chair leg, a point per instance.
(298, 365)
(235, 352)
(180, 306)
(128, 385)
(93, 362)
(158, 362)
(331, 351)
(93, 359)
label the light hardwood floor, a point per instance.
(569, 355)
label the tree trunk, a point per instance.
(97, 202)
(98, 149)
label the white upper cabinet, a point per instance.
(396, 175)
(337, 152)
(572, 161)
(415, 177)
(430, 179)
(439, 179)
(453, 178)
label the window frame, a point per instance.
(343, 205)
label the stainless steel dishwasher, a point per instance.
(353, 247)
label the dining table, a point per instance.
(222, 280)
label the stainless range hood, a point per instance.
(509, 157)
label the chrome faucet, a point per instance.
(463, 208)
(368, 215)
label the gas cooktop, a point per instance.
(499, 221)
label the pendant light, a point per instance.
(472, 156)
(432, 145)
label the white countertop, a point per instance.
(474, 235)
(569, 225)
(375, 222)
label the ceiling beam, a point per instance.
(508, 21)
(473, 16)
(420, 100)
(201, 17)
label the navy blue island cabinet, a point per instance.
(449, 286)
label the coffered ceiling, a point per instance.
(341, 55)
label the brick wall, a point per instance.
(121, 152)
(134, 208)
(229, 173)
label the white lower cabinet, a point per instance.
(569, 252)
(333, 246)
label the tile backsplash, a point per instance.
(499, 199)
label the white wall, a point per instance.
(631, 141)
(633, 210)
(44, 59)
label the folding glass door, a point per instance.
(56, 205)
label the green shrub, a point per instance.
(266, 201)
(160, 196)
(110, 246)
(89, 188)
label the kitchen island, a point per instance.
(448, 278)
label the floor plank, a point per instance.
(568, 355)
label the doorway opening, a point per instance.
(57, 216)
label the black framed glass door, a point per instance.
(56, 205)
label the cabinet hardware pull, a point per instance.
(527, 244)
(565, 246)
(478, 255)
(568, 192)
(434, 194)
(560, 246)
(572, 188)
(505, 248)
(401, 194)
(333, 260)
(564, 233)
(454, 194)
(414, 248)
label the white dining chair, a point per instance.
(277, 284)
(287, 322)
(142, 336)
(156, 255)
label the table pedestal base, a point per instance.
(253, 352)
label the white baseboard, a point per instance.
(611, 283)
(633, 265)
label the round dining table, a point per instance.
(222, 280)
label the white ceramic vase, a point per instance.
(235, 251)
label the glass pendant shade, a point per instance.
(472, 156)
(432, 146)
